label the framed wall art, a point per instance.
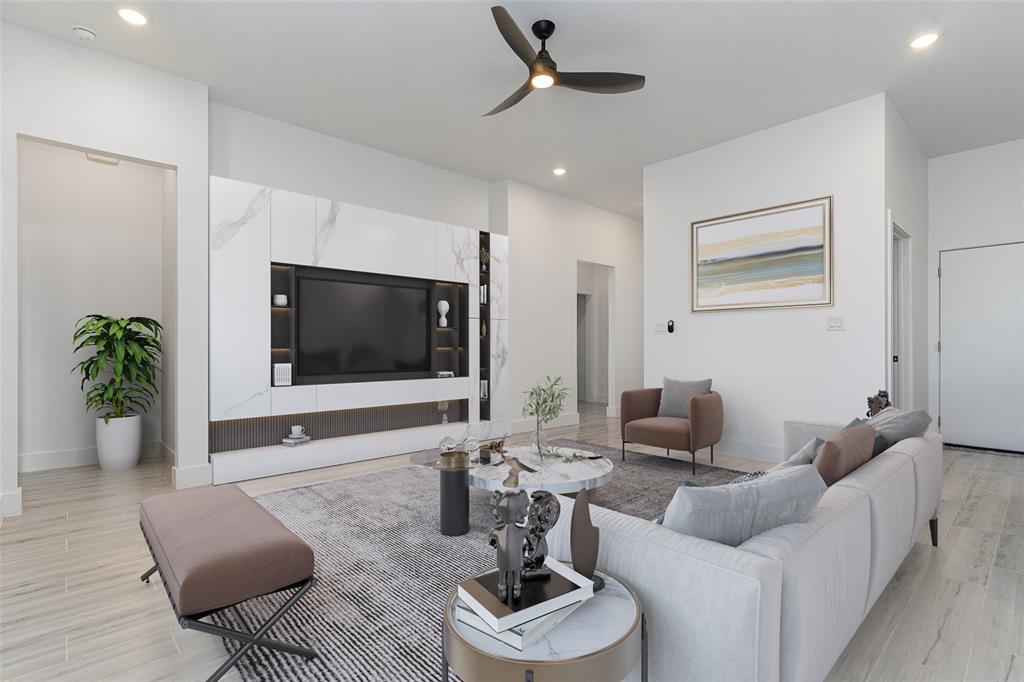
(776, 257)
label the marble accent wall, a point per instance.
(458, 255)
(239, 299)
(293, 221)
(499, 277)
(503, 405)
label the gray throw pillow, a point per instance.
(894, 425)
(732, 514)
(804, 455)
(675, 396)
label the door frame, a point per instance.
(938, 386)
(898, 319)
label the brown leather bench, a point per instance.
(638, 412)
(216, 547)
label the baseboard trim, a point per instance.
(10, 503)
(191, 476)
(167, 453)
(612, 411)
(739, 448)
(527, 425)
(78, 457)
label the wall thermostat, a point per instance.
(671, 326)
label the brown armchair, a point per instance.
(638, 412)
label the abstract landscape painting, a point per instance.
(775, 257)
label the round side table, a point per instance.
(601, 641)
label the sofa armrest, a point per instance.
(706, 418)
(713, 611)
(638, 404)
(797, 434)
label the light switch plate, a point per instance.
(835, 323)
(659, 328)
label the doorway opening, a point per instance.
(97, 233)
(594, 339)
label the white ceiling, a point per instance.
(413, 78)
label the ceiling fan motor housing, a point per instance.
(543, 29)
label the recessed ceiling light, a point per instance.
(133, 16)
(924, 40)
(84, 33)
(559, 171)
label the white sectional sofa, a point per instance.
(784, 604)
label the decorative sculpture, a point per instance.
(508, 537)
(515, 467)
(442, 312)
(542, 517)
(584, 540)
(878, 402)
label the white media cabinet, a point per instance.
(252, 226)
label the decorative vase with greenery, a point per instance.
(123, 368)
(544, 402)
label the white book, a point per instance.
(520, 636)
(540, 597)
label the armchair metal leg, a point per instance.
(623, 450)
(693, 462)
(712, 454)
(147, 574)
(933, 525)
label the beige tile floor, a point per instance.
(72, 607)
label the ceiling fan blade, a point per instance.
(512, 99)
(601, 81)
(512, 35)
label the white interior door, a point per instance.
(981, 332)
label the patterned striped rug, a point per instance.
(384, 571)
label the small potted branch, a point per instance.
(544, 402)
(122, 368)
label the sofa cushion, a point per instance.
(732, 514)
(216, 546)
(660, 432)
(826, 566)
(895, 425)
(676, 395)
(848, 449)
(889, 482)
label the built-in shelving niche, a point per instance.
(452, 349)
(282, 318)
(485, 326)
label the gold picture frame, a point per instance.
(776, 257)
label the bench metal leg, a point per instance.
(257, 638)
(147, 574)
(933, 525)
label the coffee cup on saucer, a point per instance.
(298, 431)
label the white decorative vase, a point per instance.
(442, 310)
(119, 442)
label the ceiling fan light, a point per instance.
(542, 80)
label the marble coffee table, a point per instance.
(602, 640)
(553, 474)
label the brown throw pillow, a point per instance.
(849, 449)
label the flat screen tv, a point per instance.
(355, 327)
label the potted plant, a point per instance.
(123, 365)
(544, 402)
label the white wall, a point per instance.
(975, 198)
(169, 316)
(906, 195)
(593, 280)
(90, 243)
(773, 365)
(61, 91)
(548, 234)
(246, 146)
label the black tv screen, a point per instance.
(353, 328)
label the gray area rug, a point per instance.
(384, 571)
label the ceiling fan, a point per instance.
(544, 72)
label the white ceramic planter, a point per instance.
(119, 442)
